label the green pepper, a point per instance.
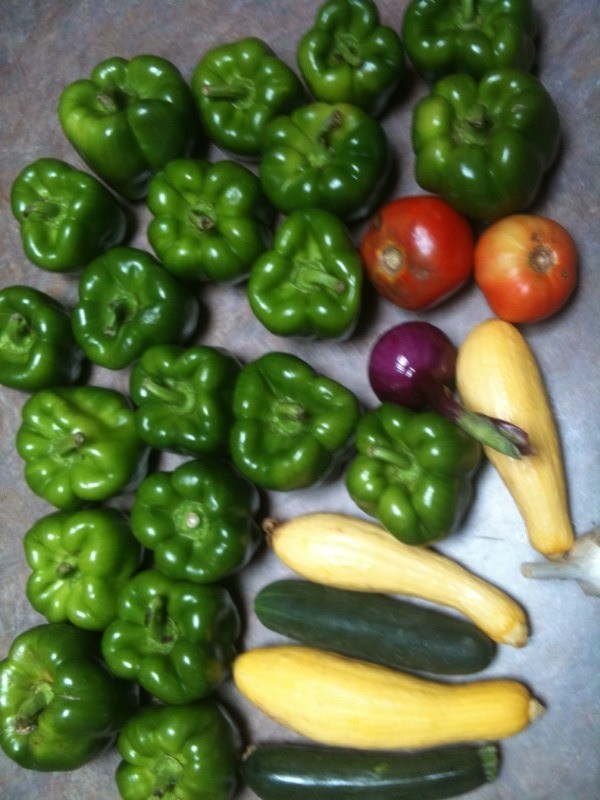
(80, 560)
(188, 752)
(442, 37)
(413, 472)
(184, 398)
(310, 283)
(332, 156)
(210, 221)
(349, 56)
(198, 520)
(129, 119)
(175, 638)
(485, 146)
(80, 445)
(127, 302)
(240, 87)
(66, 216)
(37, 346)
(59, 705)
(292, 426)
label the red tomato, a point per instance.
(526, 267)
(418, 251)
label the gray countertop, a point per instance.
(45, 44)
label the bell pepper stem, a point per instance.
(467, 10)
(224, 91)
(402, 464)
(158, 624)
(32, 707)
(347, 49)
(165, 394)
(309, 276)
(16, 336)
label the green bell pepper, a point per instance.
(413, 472)
(175, 638)
(127, 302)
(80, 445)
(37, 346)
(349, 56)
(310, 283)
(198, 520)
(188, 752)
(129, 119)
(240, 87)
(485, 146)
(59, 705)
(184, 398)
(80, 561)
(66, 216)
(332, 156)
(442, 37)
(210, 221)
(292, 426)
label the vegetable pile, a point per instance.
(142, 626)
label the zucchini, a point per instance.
(346, 702)
(310, 772)
(373, 626)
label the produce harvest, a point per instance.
(485, 145)
(80, 561)
(526, 267)
(374, 627)
(129, 119)
(346, 702)
(413, 471)
(313, 772)
(239, 87)
(37, 346)
(497, 374)
(351, 553)
(189, 751)
(79, 445)
(175, 638)
(59, 705)
(472, 36)
(127, 302)
(210, 221)
(417, 251)
(66, 216)
(349, 56)
(309, 284)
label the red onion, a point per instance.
(413, 364)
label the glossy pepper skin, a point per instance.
(37, 346)
(349, 56)
(443, 37)
(210, 220)
(184, 398)
(129, 119)
(59, 705)
(310, 283)
(240, 86)
(66, 216)
(413, 471)
(332, 156)
(293, 425)
(80, 560)
(199, 520)
(80, 445)
(189, 752)
(127, 302)
(175, 638)
(484, 146)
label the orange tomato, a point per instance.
(526, 267)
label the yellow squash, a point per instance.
(344, 702)
(352, 553)
(497, 374)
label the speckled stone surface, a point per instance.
(45, 44)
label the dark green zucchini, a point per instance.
(312, 772)
(375, 627)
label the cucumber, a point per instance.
(310, 772)
(375, 627)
